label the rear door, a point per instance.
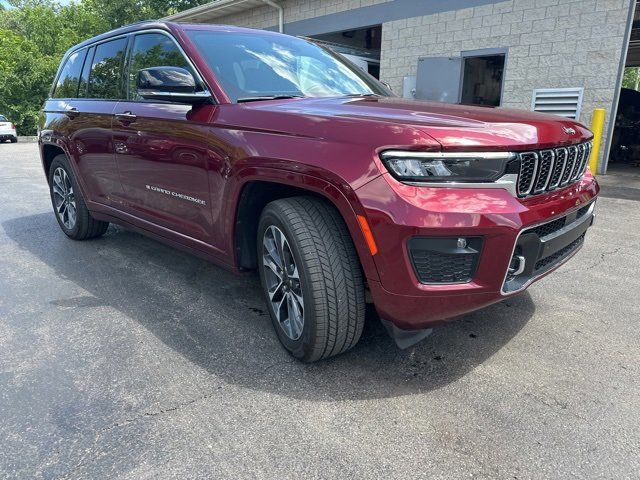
(89, 114)
(162, 148)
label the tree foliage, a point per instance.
(631, 78)
(35, 34)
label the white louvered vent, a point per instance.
(565, 102)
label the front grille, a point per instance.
(546, 170)
(551, 259)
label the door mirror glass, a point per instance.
(170, 84)
(165, 80)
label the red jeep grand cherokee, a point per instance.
(262, 151)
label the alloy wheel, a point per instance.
(282, 280)
(64, 199)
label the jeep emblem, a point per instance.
(569, 130)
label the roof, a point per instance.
(124, 30)
(212, 10)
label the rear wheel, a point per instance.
(311, 277)
(71, 211)
(14, 139)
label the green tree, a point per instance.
(36, 33)
(631, 78)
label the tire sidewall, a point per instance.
(299, 348)
(62, 162)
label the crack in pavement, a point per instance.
(598, 262)
(100, 432)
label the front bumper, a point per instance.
(399, 213)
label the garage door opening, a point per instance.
(482, 80)
(361, 46)
(624, 154)
(473, 78)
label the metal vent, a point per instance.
(565, 102)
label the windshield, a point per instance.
(253, 67)
(3, 118)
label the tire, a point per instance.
(14, 140)
(84, 226)
(329, 279)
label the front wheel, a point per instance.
(71, 211)
(311, 277)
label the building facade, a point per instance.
(516, 50)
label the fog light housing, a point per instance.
(441, 260)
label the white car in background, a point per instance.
(7, 130)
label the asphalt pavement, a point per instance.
(124, 358)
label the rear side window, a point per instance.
(105, 80)
(153, 50)
(67, 84)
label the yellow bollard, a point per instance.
(597, 126)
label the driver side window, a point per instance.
(153, 50)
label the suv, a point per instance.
(261, 151)
(7, 130)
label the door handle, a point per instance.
(126, 117)
(71, 112)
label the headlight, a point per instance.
(449, 167)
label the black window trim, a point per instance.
(198, 76)
(91, 52)
(126, 62)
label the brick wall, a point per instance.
(552, 44)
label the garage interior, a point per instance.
(361, 46)
(624, 155)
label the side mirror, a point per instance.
(172, 84)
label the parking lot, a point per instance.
(122, 357)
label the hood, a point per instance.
(453, 126)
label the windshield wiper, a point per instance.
(267, 97)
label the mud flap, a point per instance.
(405, 338)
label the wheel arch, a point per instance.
(49, 152)
(256, 190)
(50, 147)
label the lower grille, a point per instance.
(549, 228)
(559, 254)
(540, 248)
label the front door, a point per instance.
(162, 148)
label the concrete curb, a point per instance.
(27, 139)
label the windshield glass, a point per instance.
(251, 66)
(3, 118)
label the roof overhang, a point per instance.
(210, 11)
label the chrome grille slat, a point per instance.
(561, 163)
(571, 162)
(528, 171)
(545, 170)
(585, 161)
(579, 160)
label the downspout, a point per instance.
(280, 13)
